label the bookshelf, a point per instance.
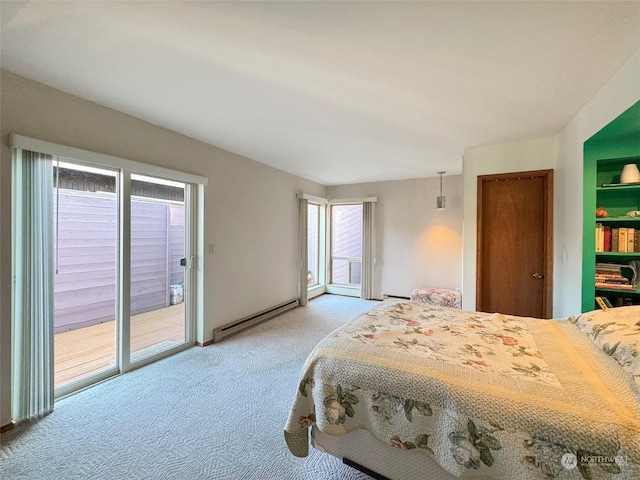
(605, 154)
(618, 200)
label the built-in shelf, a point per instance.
(618, 219)
(618, 187)
(618, 291)
(605, 155)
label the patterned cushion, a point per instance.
(439, 297)
(617, 332)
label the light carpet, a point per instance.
(216, 412)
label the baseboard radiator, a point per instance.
(246, 322)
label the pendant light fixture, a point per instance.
(440, 199)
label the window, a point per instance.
(316, 249)
(346, 244)
(313, 244)
(337, 251)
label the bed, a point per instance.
(412, 390)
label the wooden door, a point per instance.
(515, 232)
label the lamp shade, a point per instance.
(440, 199)
(630, 174)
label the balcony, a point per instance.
(89, 350)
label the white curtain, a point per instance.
(368, 251)
(304, 249)
(32, 312)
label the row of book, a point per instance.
(618, 239)
(617, 276)
(612, 302)
(604, 303)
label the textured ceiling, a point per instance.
(337, 92)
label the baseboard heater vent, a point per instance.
(246, 322)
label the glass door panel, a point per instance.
(85, 221)
(158, 262)
(346, 244)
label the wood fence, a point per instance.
(85, 251)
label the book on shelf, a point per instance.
(601, 304)
(599, 237)
(614, 286)
(617, 239)
(622, 240)
(607, 238)
(609, 267)
(612, 282)
(617, 276)
(607, 302)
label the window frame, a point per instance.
(319, 287)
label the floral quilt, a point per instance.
(485, 395)
(441, 297)
(616, 331)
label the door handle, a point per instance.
(183, 262)
(537, 275)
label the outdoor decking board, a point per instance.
(89, 350)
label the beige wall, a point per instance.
(511, 157)
(416, 245)
(245, 200)
(250, 208)
(563, 153)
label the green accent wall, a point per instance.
(618, 143)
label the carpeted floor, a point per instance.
(207, 413)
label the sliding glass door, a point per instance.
(117, 238)
(346, 249)
(85, 255)
(158, 263)
(106, 268)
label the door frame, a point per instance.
(547, 296)
(124, 197)
(346, 289)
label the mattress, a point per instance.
(480, 395)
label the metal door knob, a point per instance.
(537, 275)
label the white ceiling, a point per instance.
(337, 92)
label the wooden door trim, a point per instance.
(547, 299)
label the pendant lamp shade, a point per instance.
(440, 201)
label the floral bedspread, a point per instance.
(485, 395)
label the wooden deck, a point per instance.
(89, 350)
